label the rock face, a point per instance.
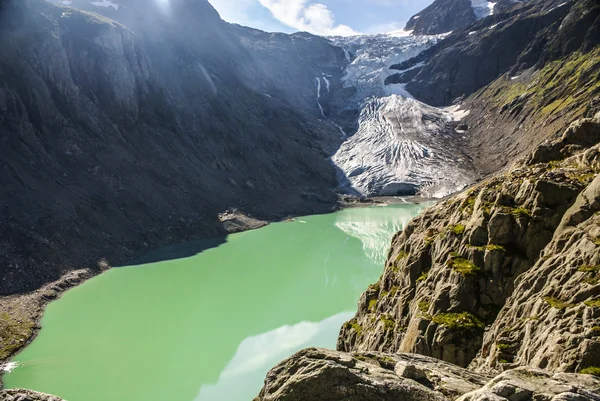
(25, 395)
(317, 374)
(441, 17)
(453, 268)
(156, 131)
(526, 36)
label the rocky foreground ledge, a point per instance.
(25, 395)
(323, 375)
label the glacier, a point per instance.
(401, 146)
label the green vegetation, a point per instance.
(517, 211)
(386, 361)
(593, 303)
(359, 357)
(562, 88)
(401, 255)
(502, 346)
(372, 305)
(459, 321)
(595, 331)
(458, 229)
(424, 306)
(557, 303)
(422, 277)
(491, 247)
(15, 330)
(592, 279)
(388, 322)
(589, 269)
(592, 370)
(464, 267)
(353, 324)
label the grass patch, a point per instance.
(424, 306)
(422, 277)
(372, 305)
(593, 303)
(401, 255)
(388, 323)
(15, 330)
(459, 321)
(502, 347)
(458, 229)
(592, 370)
(518, 211)
(557, 303)
(353, 324)
(589, 269)
(493, 247)
(464, 267)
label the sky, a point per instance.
(321, 17)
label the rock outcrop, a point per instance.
(25, 395)
(453, 268)
(317, 374)
(441, 17)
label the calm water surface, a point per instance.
(209, 327)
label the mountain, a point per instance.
(118, 140)
(129, 125)
(444, 16)
(123, 135)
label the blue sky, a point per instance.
(321, 17)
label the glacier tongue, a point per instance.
(403, 146)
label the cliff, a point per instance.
(118, 140)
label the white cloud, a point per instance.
(314, 18)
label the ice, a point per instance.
(105, 3)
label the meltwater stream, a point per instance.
(209, 327)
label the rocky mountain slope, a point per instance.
(116, 141)
(502, 278)
(444, 16)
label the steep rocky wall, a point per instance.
(552, 320)
(111, 148)
(452, 269)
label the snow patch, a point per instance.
(472, 33)
(105, 3)
(347, 55)
(482, 8)
(416, 17)
(318, 87)
(400, 33)
(455, 113)
(327, 83)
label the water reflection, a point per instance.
(375, 227)
(256, 355)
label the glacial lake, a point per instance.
(208, 327)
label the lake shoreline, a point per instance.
(24, 311)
